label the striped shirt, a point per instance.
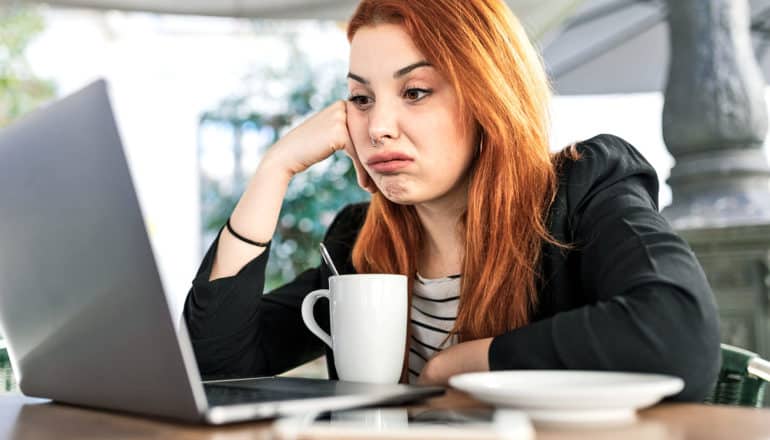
(434, 310)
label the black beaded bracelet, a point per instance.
(244, 239)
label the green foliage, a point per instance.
(309, 207)
(7, 381)
(20, 91)
(313, 197)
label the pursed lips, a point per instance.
(389, 161)
(387, 157)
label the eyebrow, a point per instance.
(399, 73)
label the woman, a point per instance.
(517, 259)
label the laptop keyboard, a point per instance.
(233, 395)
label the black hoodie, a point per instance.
(628, 296)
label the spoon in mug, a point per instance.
(328, 259)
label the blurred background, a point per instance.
(201, 90)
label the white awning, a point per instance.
(538, 15)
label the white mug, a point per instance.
(368, 315)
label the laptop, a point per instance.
(82, 306)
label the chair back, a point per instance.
(742, 378)
(7, 381)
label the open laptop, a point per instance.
(81, 302)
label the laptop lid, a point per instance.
(81, 302)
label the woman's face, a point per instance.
(412, 112)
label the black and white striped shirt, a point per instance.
(434, 310)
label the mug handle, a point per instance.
(307, 315)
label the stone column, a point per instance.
(714, 124)
(715, 117)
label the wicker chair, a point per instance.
(742, 378)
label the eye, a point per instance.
(415, 94)
(360, 101)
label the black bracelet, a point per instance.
(244, 239)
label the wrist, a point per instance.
(471, 356)
(273, 165)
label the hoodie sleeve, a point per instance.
(236, 331)
(650, 307)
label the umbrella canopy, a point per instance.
(621, 46)
(537, 15)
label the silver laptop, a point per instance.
(81, 302)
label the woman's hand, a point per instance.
(314, 140)
(465, 357)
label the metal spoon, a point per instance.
(328, 259)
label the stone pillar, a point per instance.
(715, 117)
(714, 124)
(736, 260)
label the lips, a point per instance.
(389, 162)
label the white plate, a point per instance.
(570, 398)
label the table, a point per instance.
(23, 418)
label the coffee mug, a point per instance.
(368, 315)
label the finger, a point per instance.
(362, 176)
(364, 180)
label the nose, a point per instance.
(383, 123)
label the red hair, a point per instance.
(484, 52)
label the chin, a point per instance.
(397, 193)
(400, 199)
(406, 198)
(403, 190)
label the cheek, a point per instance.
(444, 144)
(358, 128)
(450, 156)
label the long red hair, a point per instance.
(483, 50)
